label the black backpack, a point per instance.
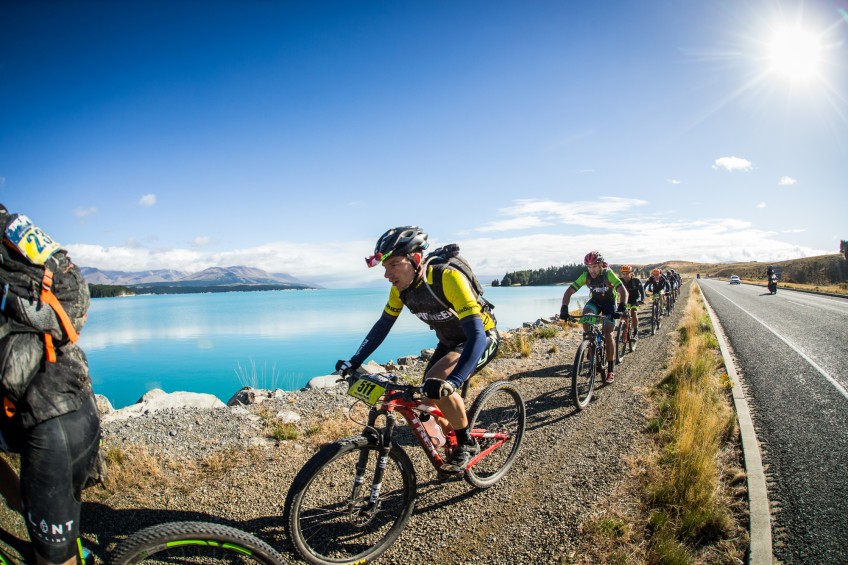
(42, 290)
(449, 256)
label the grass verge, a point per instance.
(689, 492)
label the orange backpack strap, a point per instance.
(50, 299)
(9, 407)
(47, 297)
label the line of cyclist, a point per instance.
(611, 293)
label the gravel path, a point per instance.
(570, 461)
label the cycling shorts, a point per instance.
(604, 308)
(493, 339)
(57, 457)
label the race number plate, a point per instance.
(35, 245)
(367, 390)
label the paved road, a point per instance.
(792, 352)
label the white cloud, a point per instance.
(147, 200)
(82, 213)
(793, 231)
(733, 164)
(530, 213)
(2, 181)
(673, 181)
(761, 205)
(570, 230)
(201, 240)
(787, 181)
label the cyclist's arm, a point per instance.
(467, 308)
(618, 287)
(475, 344)
(573, 287)
(380, 329)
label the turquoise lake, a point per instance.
(217, 343)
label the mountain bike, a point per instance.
(657, 313)
(173, 542)
(669, 303)
(352, 499)
(626, 333)
(590, 360)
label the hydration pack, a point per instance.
(449, 256)
(42, 291)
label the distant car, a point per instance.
(735, 280)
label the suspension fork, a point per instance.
(384, 439)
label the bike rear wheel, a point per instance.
(194, 542)
(583, 375)
(327, 514)
(497, 420)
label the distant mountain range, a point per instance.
(219, 278)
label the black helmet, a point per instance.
(398, 241)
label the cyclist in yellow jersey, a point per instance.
(606, 289)
(442, 297)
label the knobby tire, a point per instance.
(620, 342)
(327, 524)
(583, 375)
(194, 542)
(498, 409)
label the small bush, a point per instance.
(546, 332)
(283, 432)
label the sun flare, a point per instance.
(795, 54)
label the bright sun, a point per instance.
(795, 54)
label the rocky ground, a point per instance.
(220, 465)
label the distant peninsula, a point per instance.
(104, 284)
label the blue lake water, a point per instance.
(216, 343)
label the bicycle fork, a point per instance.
(360, 514)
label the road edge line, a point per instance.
(760, 548)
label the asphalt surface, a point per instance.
(790, 350)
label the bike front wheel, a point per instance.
(583, 375)
(620, 342)
(497, 420)
(329, 516)
(194, 542)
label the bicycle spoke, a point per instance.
(497, 419)
(331, 521)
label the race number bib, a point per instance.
(28, 238)
(367, 389)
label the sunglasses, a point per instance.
(376, 259)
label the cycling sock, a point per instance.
(610, 365)
(463, 435)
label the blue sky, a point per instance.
(289, 135)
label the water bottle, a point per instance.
(434, 430)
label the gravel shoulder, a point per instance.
(219, 465)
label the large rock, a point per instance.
(103, 404)
(158, 399)
(323, 381)
(249, 395)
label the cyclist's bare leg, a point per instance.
(453, 407)
(608, 340)
(634, 319)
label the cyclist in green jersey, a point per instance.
(606, 289)
(442, 297)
